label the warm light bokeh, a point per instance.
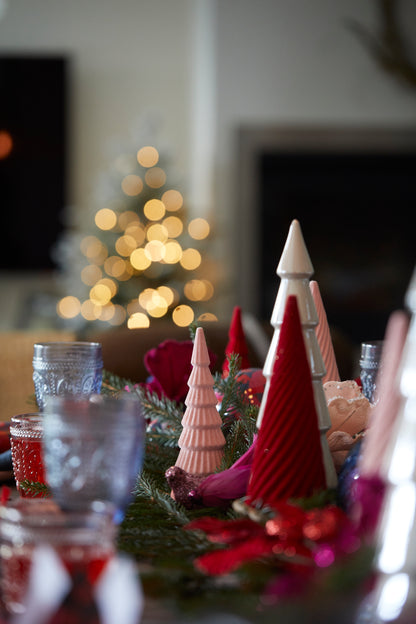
(139, 239)
(174, 226)
(132, 185)
(68, 307)
(191, 259)
(198, 228)
(154, 209)
(106, 219)
(138, 320)
(155, 177)
(183, 315)
(139, 260)
(147, 156)
(173, 200)
(6, 144)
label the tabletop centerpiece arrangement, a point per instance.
(291, 511)
(263, 489)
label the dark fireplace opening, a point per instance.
(354, 194)
(356, 214)
(33, 158)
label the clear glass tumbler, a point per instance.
(51, 560)
(93, 449)
(370, 361)
(66, 368)
(26, 431)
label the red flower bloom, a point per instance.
(248, 540)
(170, 366)
(296, 541)
(226, 531)
(224, 561)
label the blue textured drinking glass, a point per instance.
(63, 368)
(93, 449)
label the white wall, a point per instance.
(297, 62)
(128, 57)
(207, 66)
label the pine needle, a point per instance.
(34, 488)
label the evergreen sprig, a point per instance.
(147, 487)
(34, 488)
(163, 409)
(239, 415)
(114, 384)
(155, 519)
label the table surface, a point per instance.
(156, 611)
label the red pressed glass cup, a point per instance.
(26, 432)
(78, 545)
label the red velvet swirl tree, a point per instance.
(288, 460)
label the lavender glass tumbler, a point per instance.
(93, 450)
(66, 368)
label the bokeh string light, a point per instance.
(141, 261)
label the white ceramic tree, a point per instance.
(295, 269)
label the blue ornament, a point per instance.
(347, 477)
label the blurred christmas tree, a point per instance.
(135, 256)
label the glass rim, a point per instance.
(63, 343)
(93, 410)
(372, 343)
(95, 400)
(371, 350)
(62, 349)
(26, 516)
(26, 417)
(27, 426)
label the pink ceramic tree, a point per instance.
(323, 335)
(201, 442)
(295, 269)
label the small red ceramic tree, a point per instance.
(237, 343)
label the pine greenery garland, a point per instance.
(153, 528)
(152, 531)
